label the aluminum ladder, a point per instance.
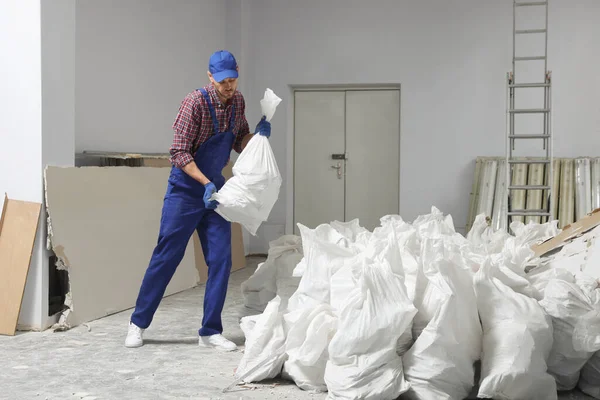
(546, 131)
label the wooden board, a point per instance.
(568, 233)
(18, 228)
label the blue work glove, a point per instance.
(209, 189)
(264, 127)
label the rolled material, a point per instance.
(474, 200)
(499, 219)
(583, 187)
(566, 202)
(487, 189)
(595, 174)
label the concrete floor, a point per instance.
(93, 364)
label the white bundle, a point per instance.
(439, 366)
(589, 382)
(309, 333)
(274, 276)
(573, 307)
(517, 339)
(265, 344)
(249, 196)
(363, 363)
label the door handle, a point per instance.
(338, 166)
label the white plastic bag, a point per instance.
(306, 347)
(572, 306)
(589, 382)
(249, 196)
(260, 288)
(325, 251)
(517, 339)
(363, 363)
(274, 276)
(265, 344)
(440, 364)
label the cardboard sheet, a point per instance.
(18, 228)
(103, 225)
(568, 233)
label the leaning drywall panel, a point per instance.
(103, 225)
(18, 228)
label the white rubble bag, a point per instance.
(265, 344)
(531, 233)
(249, 196)
(384, 246)
(409, 246)
(325, 251)
(350, 230)
(306, 347)
(440, 364)
(274, 276)
(517, 339)
(571, 306)
(363, 363)
(589, 381)
(310, 319)
(260, 288)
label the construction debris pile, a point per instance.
(411, 308)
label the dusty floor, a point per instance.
(94, 364)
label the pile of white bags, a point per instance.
(249, 196)
(410, 308)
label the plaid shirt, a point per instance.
(193, 124)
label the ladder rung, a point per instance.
(535, 213)
(529, 187)
(528, 85)
(531, 3)
(528, 136)
(529, 110)
(529, 161)
(525, 31)
(530, 58)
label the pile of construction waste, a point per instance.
(411, 308)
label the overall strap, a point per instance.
(212, 110)
(232, 119)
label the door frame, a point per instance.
(290, 137)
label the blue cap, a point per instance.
(222, 65)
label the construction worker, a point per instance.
(210, 123)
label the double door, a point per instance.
(346, 156)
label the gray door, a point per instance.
(346, 156)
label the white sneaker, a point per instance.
(134, 336)
(218, 342)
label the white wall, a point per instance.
(21, 126)
(136, 60)
(58, 125)
(451, 59)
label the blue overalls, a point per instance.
(183, 211)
